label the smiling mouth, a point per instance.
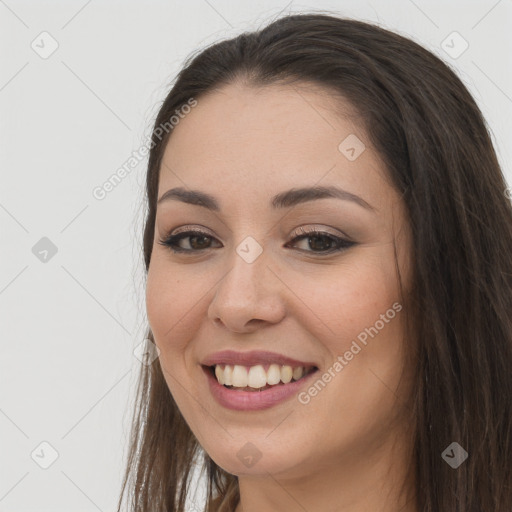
(258, 377)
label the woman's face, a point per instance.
(252, 281)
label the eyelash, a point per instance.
(341, 244)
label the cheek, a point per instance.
(357, 314)
(171, 306)
(169, 302)
(344, 300)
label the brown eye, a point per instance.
(198, 241)
(322, 242)
(316, 241)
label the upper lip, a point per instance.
(252, 358)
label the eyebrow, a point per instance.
(285, 199)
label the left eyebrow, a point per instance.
(286, 199)
(295, 196)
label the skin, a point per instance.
(346, 449)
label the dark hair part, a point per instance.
(432, 137)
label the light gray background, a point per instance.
(68, 122)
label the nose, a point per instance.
(248, 297)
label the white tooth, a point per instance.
(286, 374)
(257, 377)
(298, 372)
(219, 374)
(240, 377)
(228, 375)
(274, 374)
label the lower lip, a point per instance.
(253, 400)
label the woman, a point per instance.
(329, 282)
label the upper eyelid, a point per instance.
(308, 228)
(186, 233)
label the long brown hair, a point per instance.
(434, 141)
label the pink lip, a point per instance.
(252, 358)
(253, 400)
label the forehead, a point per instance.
(263, 138)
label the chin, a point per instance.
(251, 458)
